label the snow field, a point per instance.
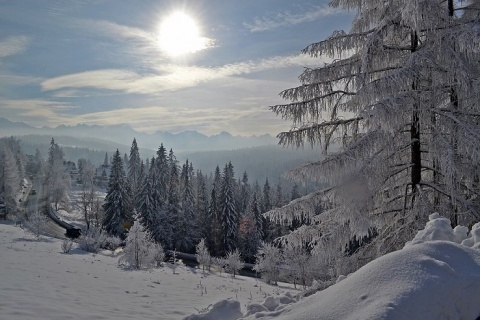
(38, 281)
(432, 277)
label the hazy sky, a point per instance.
(102, 62)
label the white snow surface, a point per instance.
(432, 277)
(38, 281)
(435, 276)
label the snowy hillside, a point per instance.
(38, 281)
(431, 278)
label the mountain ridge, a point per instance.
(189, 140)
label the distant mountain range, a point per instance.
(123, 134)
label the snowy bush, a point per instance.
(91, 239)
(37, 222)
(109, 242)
(233, 262)
(140, 249)
(268, 259)
(67, 245)
(203, 255)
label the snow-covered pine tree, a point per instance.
(173, 201)
(118, 203)
(229, 215)
(163, 174)
(215, 215)
(400, 97)
(106, 163)
(204, 222)
(134, 171)
(244, 195)
(186, 228)
(148, 204)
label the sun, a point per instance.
(180, 34)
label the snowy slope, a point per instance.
(37, 281)
(433, 277)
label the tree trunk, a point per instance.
(415, 150)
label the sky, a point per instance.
(110, 62)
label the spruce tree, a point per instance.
(118, 204)
(203, 218)
(229, 215)
(186, 228)
(173, 208)
(134, 170)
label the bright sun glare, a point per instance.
(179, 35)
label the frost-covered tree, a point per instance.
(57, 178)
(233, 262)
(36, 221)
(399, 95)
(229, 215)
(9, 179)
(268, 259)
(118, 203)
(141, 252)
(214, 214)
(201, 207)
(173, 201)
(186, 227)
(88, 192)
(148, 205)
(134, 170)
(298, 266)
(203, 255)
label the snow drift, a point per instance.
(432, 277)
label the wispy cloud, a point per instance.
(13, 45)
(169, 77)
(282, 19)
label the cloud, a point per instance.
(13, 45)
(18, 80)
(282, 19)
(170, 77)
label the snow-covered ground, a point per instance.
(38, 281)
(436, 276)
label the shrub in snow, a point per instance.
(203, 255)
(91, 239)
(268, 259)
(37, 222)
(233, 262)
(67, 245)
(109, 242)
(140, 249)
